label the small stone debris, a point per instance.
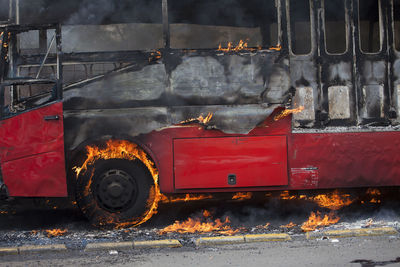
(113, 252)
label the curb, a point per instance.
(219, 240)
(202, 241)
(109, 245)
(44, 248)
(238, 239)
(266, 238)
(353, 233)
(8, 251)
(166, 243)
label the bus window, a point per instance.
(91, 26)
(205, 24)
(335, 26)
(397, 24)
(4, 10)
(300, 26)
(370, 37)
(19, 98)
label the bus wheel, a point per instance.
(115, 192)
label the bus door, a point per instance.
(394, 32)
(338, 103)
(302, 36)
(31, 133)
(371, 53)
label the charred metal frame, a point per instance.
(318, 58)
(368, 74)
(9, 77)
(317, 64)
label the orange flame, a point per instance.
(289, 225)
(34, 232)
(242, 196)
(316, 221)
(199, 226)
(242, 45)
(206, 213)
(276, 48)
(155, 55)
(186, 198)
(333, 201)
(287, 112)
(265, 226)
(200, 119)
(374, 194)
(55, 232)
(122, 149)
(285, 195)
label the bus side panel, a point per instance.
(335, 160)
(230, 162)
(159, 144)
(36, 176)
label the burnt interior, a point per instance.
(219, 22)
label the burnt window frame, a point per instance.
(346, 28)
(55, 94)
(289, 30)
(381, 25)
(167, 29)
(51, 94)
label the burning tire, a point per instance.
(117, 187)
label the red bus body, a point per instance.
(308, 160)
(347, 136)
(192, 159)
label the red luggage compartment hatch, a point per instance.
(228, 162)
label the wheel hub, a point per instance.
(115, 190)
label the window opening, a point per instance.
(196, 24)
(4, 10)
(396, 13)
(300, 26)
(335, 26)
(19, 98)
(370, 36)
(97, 26)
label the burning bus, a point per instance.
(114, 103)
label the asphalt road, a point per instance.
(360, 251)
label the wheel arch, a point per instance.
(78, 154)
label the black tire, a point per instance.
(115, 192)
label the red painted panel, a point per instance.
(36, 175)
(159, 144)
(315, 160)
(207, 162)
(32, 153)
(334, 160)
